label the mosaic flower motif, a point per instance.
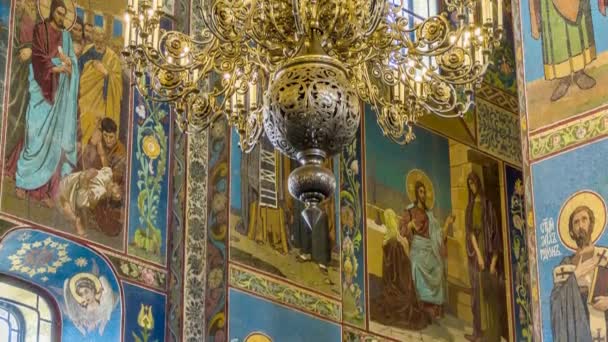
(24, 236)
(216, 277)
(518, 222)
(151, 146)
(530, 219)
(219, 202)
(347, 216)
(354, 166)
(580, 132)
(519, 187)
(125, 268)
(141, 111)
(40, 257)
(148, 276)
(145, 318)
(218, 130)
(81, 262)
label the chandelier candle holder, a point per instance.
(298, 70)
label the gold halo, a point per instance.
(410, 182)
(74, 281)
(257, 337)
(587, 198)
(44, 9)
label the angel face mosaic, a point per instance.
(80, 281)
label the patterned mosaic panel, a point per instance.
(216, 265)
(517, 232)
(177, 246)
(139, 272)
(352, 233)
(498, 97)
(284, 293)
(196, 239)
(354, 335)
(498, 132)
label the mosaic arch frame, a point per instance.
(66, 261)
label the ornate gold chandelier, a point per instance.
(297, 69)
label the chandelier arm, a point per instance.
(468, 76)
(209, 22)
(276, 25)
(300, 29)
(160, 61)
(379, 12)
(443, 45)
(262, 43)
(370, 55)
(248, 130)
(332, 25)
(211, 119)
(158, 97)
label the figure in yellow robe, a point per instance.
(100, 86)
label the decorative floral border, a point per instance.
(196, 240)
(138, 272)
(529, 198)
(354, 335)
(150, 163)
(517, 227)
(498, 97)
(284, 293)
(498, 132)
(352, 237)
(569, 135)
(217, 224)
(176, 248)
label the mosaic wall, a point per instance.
(187, 234)
(87, 179)
(392, 267)
(562, 59)
(393, 271)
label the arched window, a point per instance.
(26, 315)
(12, 323)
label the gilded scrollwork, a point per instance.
(404, 68)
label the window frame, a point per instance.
(12, 309)
(42, 293)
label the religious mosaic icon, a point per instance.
(579, 299)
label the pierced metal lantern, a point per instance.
(312, 114)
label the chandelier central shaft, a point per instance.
(312, 114)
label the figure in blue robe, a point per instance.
(427, 252)
(49, 150)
